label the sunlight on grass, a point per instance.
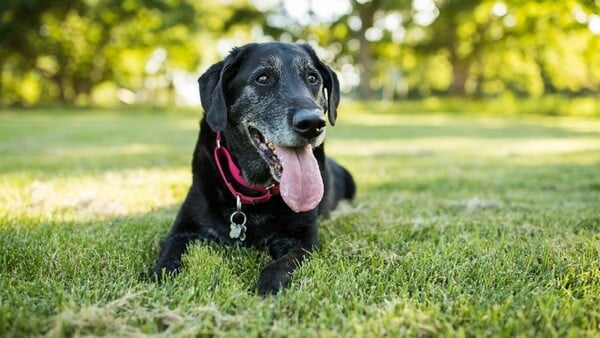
(88, 197)
(97, 165)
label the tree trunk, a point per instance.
(460, 74)
(478, 94)
(366, 67)
(62, 88)
(460, 67)
(366, 13)
(3, 101)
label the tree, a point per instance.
(512, 44)
(81, 48)
(71, 46)
(366, 11)
(20, 25)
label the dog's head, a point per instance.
(268, 67)
(270, 102)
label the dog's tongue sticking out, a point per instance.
(301, 185)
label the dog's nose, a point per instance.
(309, 122)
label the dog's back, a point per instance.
(344, 187)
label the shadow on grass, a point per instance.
(74, 144)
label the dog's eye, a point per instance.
(262, 79)
(312, 79)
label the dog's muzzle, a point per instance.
(294, 167)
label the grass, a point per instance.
(464, 225)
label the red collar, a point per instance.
(265, 194)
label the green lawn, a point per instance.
(464, 225)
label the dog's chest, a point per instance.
(258, 220)
(261, 225)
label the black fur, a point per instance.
(234, 98)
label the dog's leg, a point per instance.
(183, 232)
(169, 261)
(288, 254)
(277, 275)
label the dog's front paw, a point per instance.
(161, 271)
(272, 279)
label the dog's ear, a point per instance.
(212, 97)
(332, 88)
(212, 86)
(331, 85)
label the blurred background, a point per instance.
(150, 52)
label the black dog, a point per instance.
(260, 175)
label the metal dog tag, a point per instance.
(237, 230)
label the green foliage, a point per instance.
(481, 48)
(79, 50)
(464, 225)
(71, 48)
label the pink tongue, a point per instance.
(301, 185)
